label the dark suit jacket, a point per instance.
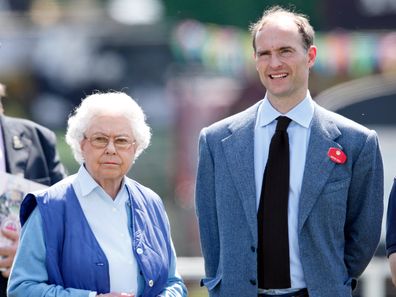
(30, 151)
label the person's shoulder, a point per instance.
(25, 124)
(145, 191)
(343, 123)
(49, 198)
(239, 119)
(145, 197)
(20, 121)
(53, 192)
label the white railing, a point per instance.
(374, 277)
(191, 268)
(372, 281)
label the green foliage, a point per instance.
(65, 153)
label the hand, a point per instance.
(113, 294)
(7, 253)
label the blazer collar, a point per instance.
(239, 153)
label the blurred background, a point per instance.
(189, 63)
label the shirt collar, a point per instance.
(87, 184)
(302, 113)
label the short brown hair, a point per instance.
(301, 20)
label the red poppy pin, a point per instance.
(336, 155)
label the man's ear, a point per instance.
(311, 55)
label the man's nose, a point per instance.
(275, 61)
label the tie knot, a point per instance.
(283, 123)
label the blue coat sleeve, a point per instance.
(365, 208)
(206, 210)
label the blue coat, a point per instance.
(340, 208)
(74, 258)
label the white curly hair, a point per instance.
(114, 103)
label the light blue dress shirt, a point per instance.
(299, 132)
(29, 273)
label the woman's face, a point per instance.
(108, 148)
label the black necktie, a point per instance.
(273, 240)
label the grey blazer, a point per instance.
(340, 210)
(30, 152)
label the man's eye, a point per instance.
(261, 54)
(286, 52)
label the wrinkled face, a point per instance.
(108, 148)
(282, 61)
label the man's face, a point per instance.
(282, 61)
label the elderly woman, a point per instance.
(98, 232)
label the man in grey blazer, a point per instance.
(335, 200)
(27, 150)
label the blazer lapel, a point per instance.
(318, 165)
(15, 146)
(239, 153)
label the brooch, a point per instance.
(337, 155)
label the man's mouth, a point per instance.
(277, 76)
